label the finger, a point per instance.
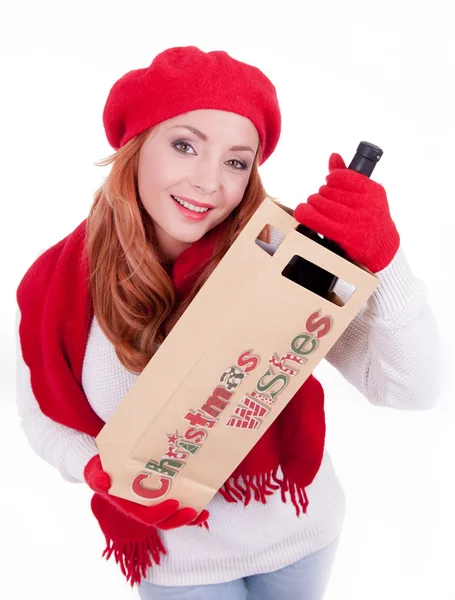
(313, 219)
(336, 162)
(350, 180)
(103, 482)
(303, 212)
(183, 516)
(149, 514)
(340, 207)
(100, 482)
(203, 516)
(338, 197)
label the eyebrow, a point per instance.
(204, 138)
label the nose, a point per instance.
(206, 177)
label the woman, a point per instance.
(190, 132)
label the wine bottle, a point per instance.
(311, 276)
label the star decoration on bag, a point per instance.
(172, 439)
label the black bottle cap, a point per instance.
(369, 151)
(366, 158)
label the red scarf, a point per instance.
(56, 314)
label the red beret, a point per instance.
(183, 79)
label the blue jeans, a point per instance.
(303, 580)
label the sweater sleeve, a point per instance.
(390, 352)
(66, 449)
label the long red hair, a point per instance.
(133, 296)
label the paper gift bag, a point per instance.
(235, 358)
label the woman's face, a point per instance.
(202, 159)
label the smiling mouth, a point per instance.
(189, 206)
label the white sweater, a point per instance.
(383, 353)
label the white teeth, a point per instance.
(190, 206)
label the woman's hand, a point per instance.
(164, 515)
(352, 210)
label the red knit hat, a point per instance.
(183, 79)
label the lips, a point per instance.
(194, 203)
(191, 214)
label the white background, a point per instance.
(345, 72)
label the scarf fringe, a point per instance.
(134, 557)
(263, 485)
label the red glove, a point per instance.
(165, 515)
(352, 210)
